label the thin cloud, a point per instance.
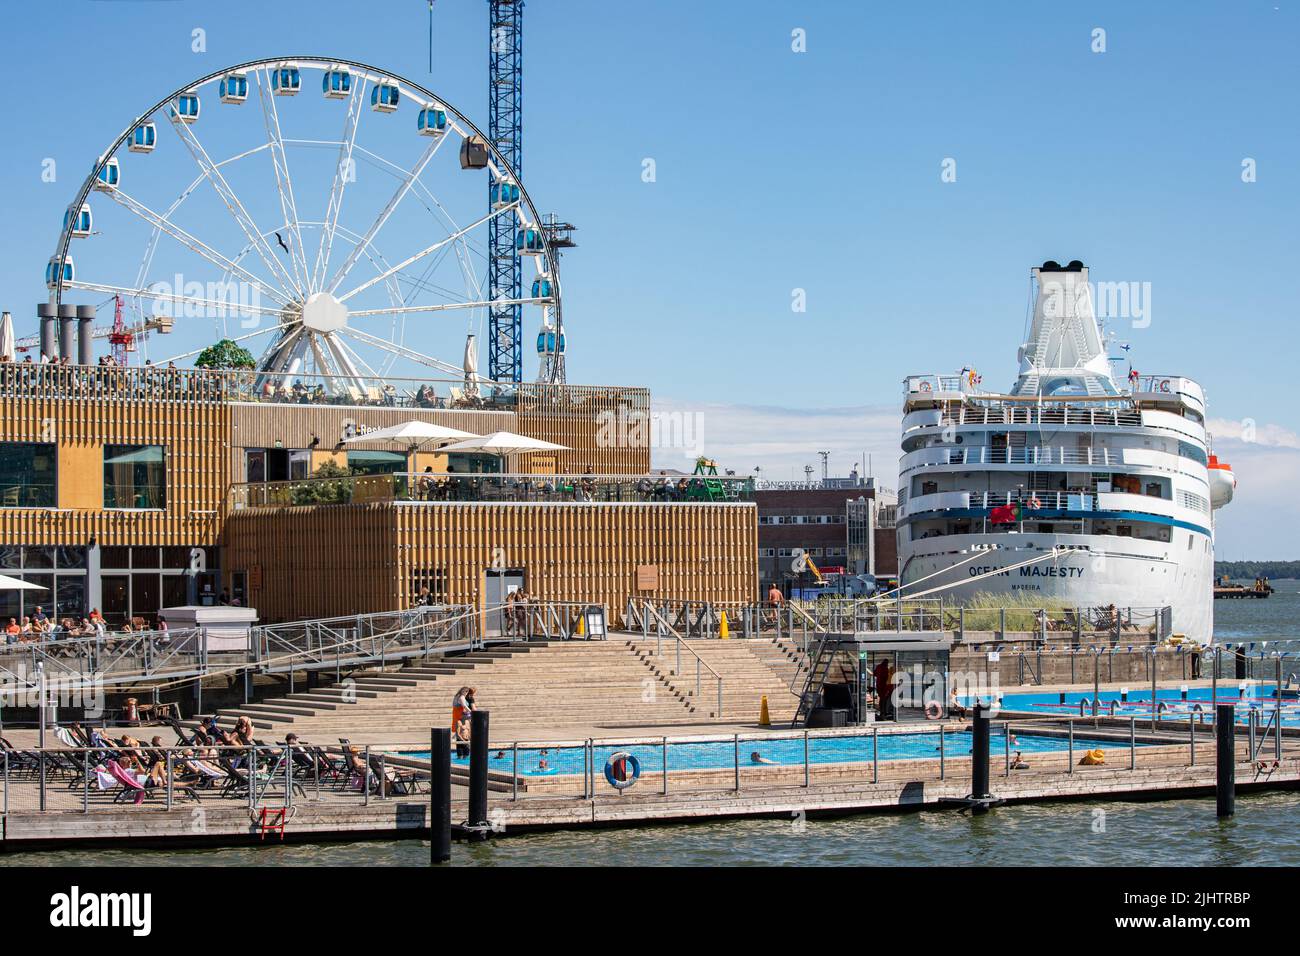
(1260, 522)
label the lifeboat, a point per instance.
(1222, 482)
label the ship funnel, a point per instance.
(1065, 354)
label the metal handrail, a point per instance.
(661, 626)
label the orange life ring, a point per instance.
(925, 386)
(1164, 386)
(933, 711)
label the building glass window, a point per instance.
(376, 462)
(116, 592)
(71, 595)
(38, 557)
(27, 475)
(135, 476)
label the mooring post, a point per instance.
(979, 789)
(478, 775)
(1225, 759)
(440, 795)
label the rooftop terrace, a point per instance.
(170, 383)
(429, 487)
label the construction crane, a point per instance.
(122, 337)
(505, 130)
(121, 340)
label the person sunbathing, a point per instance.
(201, 766)
(360, 773)
(244, 732)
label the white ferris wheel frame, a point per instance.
(299, 281)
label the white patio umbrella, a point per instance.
(502, 444)
(471, 367)
(413, 436)
(7, 345)
(18, 584)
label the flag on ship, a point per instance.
(1005, 514)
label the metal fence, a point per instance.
(128, 775)
(117, 775)
(598, 768)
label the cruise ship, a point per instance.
(1071, 487)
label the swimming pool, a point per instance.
(787, 751)
(1179, 704)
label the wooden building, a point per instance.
(117, 485)
(469, 553)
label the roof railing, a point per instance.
(431, 487)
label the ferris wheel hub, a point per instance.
(324, 313)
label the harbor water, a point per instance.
(1181, 833)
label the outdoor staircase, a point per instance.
(750, 669)
(532, 690)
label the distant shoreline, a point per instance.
(1254, 569)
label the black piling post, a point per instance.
(478, 775)
(1225, 786)
(979, 761)
(440, 795)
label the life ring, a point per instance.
(617, 767)
(933, 711)
(1164, 385)
(926, 387)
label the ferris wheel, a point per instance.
(321, 213)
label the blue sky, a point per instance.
(818, 171)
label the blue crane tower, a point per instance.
(505, 129)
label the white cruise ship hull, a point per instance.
(1142, 575)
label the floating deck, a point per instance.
(774, 791)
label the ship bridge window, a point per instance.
(1188, 450)
(1063, 386)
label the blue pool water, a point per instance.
(712, 755)
(1198, 701)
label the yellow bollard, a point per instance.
(724, 629)
(764, 718)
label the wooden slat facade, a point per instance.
(568, 552)
(320, 561)
(195, 435)
(607, 428)
(268, 425)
